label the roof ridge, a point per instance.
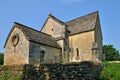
(50, 15)
(45, 33)
(29, 36)
(31, 28)
(38, 32)
(82, 16)
(26, 26)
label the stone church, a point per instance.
(77, 40)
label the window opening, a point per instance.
(42, 55)
(52, 29)
(77, 50)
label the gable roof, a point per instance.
(82, 24)
(35, 36)
(54, 18)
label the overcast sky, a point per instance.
(33, 13)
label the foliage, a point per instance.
(111, 53)
(7, 73)
(111, 71)
(1, 58)
(7, 76)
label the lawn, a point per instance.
(111, 71)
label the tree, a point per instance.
(1, 58)
(111, 53)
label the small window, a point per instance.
(42, 51)
(42, 55)
(77, 54)
(77, 50)
(52, 29)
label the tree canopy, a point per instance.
(111, 53)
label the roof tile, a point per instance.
(37, 36)
(82, 24)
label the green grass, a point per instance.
(7, 73)
(111, 71)
(9, 76)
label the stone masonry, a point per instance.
(73, 71)
(56, 42)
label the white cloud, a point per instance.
(71, 1)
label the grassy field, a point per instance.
(111, 71)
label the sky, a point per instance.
(33, 13)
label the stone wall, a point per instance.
(53, 28)
(98, 39)
(73, 71)
(51, 54)
(80, 46)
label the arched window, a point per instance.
(77, 50)
(42, 55)
(52, 29)
(77, 54)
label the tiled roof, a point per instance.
(82, 24)
(78, 25)
(36, 36)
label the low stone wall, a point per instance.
(72, 71)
